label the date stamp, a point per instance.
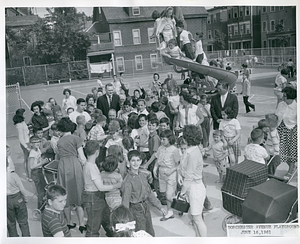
(266, 230)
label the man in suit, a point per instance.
(109, 100)
(221, 101)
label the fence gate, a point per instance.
(13, 102)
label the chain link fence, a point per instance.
(47, 74)
(13, 102)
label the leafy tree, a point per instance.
(219, 40)
(59, 37)
(284, 39)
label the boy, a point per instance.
(143, 134)
(141, 107)
(172, 51)
(164, 124)
(185, 43)
(54, 223)
(114, 130)
(136, 193)
(94, 193)
(204, 108)
(254, 151)
(97, 132)
(45, 146)
(54, 139)
(246, 92)
(80, 121)
(16, 204)
(35, 164)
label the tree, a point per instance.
(219, 40)
(59, 37)
(284, 39)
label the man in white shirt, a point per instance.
(80, 111)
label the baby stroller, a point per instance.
(253, 196)
(50, 175)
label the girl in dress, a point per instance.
(70, 173)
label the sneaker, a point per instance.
(170, 215)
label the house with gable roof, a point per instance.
(123, 35)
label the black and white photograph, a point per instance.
(150, 121)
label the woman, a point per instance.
(188, 113)
(90, 99)
(190, 177)
(70, 173)
(39, 119)
(287, 129)
(23, 134)
(167, 25)
(68, 101)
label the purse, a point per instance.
(180, 204)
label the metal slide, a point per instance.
(188, 64)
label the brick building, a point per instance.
(278, 26)
(123, 34)
(216, 22)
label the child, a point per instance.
(110, 176)
(97, 133)
(45, 146)
(16, 204)
(93, 195)
(126, 131)
(264, 126)
(272, 143)
(172, 51)
(90, 108)
(246, 92)
(35, 163)
(54, 139)
(155, 108)
(123, 224)
(70, 110)
(54, 223)
(80, 121)
(254, 151)
(114, 129)
(118, 152)
(231, 129)
(168, 158)
(164, 124)
(126, 110)
(185, 43)
(220, 154)
(143, 133)
(204, 107)
(136, 193)
(58, 115)
(141, 107)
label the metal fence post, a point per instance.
(69, 68)
(23, 72)
(46, 74)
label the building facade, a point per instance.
(123, 35)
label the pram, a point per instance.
(50, 175)
(243, 184)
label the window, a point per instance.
(248, 31)
(241, 11)
(281, 7)
(120, 64)
(136, 36)
(150, 33)
(235, 29)
(209, 19)
(209, 34)
(242, 29)
(264, 26)
(272, 24)
(215, 18)
(264, 9)
(215, 33)
(138, 62)
(247, 12)
(229, 31)
(265, 44)
(153, 60)
(229, 16)
(272, 8)
(235, 14)
(136, 11)
(117, 38)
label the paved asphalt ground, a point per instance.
(262, 96)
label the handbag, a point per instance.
(180, 205)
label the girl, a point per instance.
(220, 154)
(80, 130)
(68, 101)
(231, 129)
(23, 134)
(167, 25)
(90, 99)
(110, 176)
(168, 158)
(54, 106)
(123, 224)
(143, 134)
(118, 152)
(136, 96)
